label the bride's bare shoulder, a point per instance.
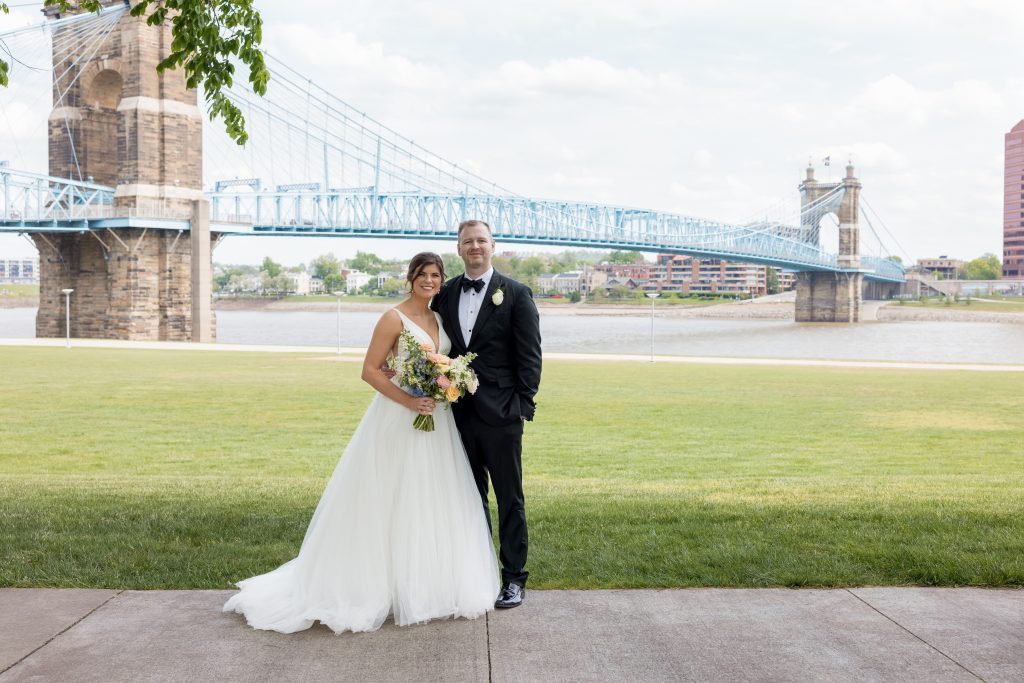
(390, 321)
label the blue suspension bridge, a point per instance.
(317, 166)
(373, 182)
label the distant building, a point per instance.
(639, 271)
(582, 281)
(253, 282)
(300, 282)
(943, 267)
(685, 274)
(546, 282)
(304, 283)
(356, 280)
(384, 276)
(19, 270)
(1013, 204)
(629, 283)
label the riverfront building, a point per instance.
(1013, 204)
(943, 267)
(685, 274)
(19, 270)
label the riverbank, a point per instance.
(767, 308)
(19, 302)
(893, 312)
(779, 307)
(776, 307)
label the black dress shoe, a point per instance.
(511, 596)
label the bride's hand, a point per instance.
(423, 406)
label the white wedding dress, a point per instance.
(399, 530)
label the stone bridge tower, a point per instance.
(117, 122)
(824, 296)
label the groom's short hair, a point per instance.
(470, 223)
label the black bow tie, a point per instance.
(475, 285)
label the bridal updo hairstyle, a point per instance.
(421, 261)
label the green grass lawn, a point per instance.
(19, 291)
(986, 305)
(147, 469)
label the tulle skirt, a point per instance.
(400, 530)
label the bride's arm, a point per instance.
(384, 337)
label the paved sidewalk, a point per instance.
(862, 634)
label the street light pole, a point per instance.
(653, 295)
(338, 294)
(67, 315)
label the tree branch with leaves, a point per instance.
(206, 39)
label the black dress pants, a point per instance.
(496, 453)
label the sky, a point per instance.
(704, 108)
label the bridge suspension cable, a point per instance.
(47, 59)
(315, 164)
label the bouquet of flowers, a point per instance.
(425, 373)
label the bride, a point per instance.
(398, 529)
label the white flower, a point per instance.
(498, 297)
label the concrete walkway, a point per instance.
(354, 354)
(862, 634)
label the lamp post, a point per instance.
(338, 294)
(653, 295)
(67, 315)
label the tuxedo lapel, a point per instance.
(486, 307)
(454, 295)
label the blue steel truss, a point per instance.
(32, 199)
(35, 203)
(391, 187)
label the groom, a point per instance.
(494, 317)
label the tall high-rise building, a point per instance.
(1013, 204)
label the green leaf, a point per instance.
(205, 38)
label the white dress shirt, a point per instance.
(469, 304)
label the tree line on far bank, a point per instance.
(985, 267)
(273, 278)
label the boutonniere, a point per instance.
(498, 296)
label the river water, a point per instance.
(895, 341)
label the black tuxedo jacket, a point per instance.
(506, 339)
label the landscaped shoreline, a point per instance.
(770, 311)
(19, 302)
(766, 308)
(777, 307)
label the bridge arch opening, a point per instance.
(104, 91)
(828, 233)
(97, 141)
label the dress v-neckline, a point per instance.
(437, 319)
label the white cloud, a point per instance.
(696, 106)
(350, 60)
(583, 76)
(574, 181)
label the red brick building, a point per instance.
(1013, 204)
(674, 273)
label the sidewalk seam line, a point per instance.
(62, 631)
(487, 626)
(914, 634)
